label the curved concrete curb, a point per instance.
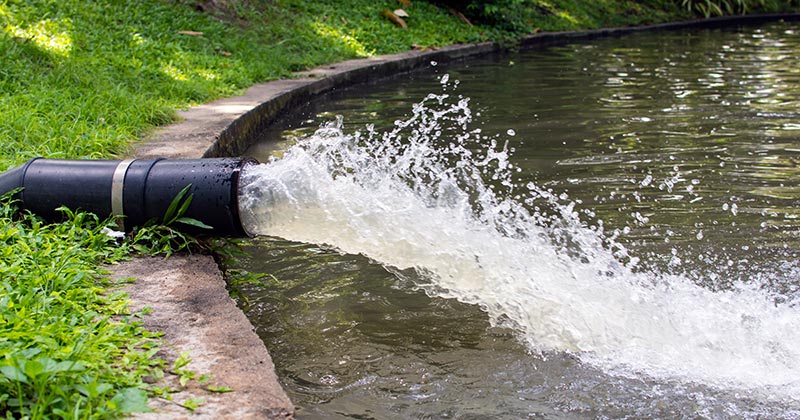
(227, 127)
(546, 38)
(219, 337)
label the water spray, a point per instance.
(135, 191)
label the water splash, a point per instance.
(439, 197)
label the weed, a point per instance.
(184, 376)
(193, 404)
(160, 236)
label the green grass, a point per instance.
(68, 348)
(86, 79)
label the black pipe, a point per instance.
(136, 190)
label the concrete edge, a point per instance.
(543, 38)
(225, 128)
(188, 302)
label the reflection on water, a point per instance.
(684, 145)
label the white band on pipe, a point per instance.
(117, 189)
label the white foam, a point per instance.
(416, 197)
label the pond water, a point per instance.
(606, 229)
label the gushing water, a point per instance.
(421, 197)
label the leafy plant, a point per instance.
(161, 236)
(512, 16)
(193, 404)
(179, 369)
(184, 376)
(177, 209)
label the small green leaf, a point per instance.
(183, 360)
(93, 389)
(184, 379)
(184, 206)
(193, 403)
(193, 222)
(33, 368)
(172, 212)
(13, 373)
(69, 366)
(131, 400)
(29, 353)
(220, 389)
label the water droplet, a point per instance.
(511, 132)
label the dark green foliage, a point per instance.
(505, 15)
(505, 19)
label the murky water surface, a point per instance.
(599, 230)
